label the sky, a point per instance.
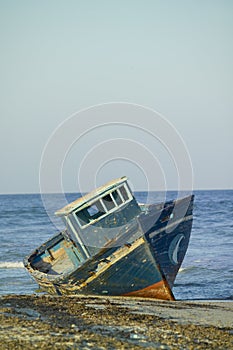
(60, 57)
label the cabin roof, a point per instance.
(90, 196)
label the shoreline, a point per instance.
(100, 322)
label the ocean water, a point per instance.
(206, 273)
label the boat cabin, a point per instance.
(97, 218)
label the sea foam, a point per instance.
(11, 265)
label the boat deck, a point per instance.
(54, 264)
(61, 266)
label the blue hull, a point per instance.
(168, 236)
(143, 261)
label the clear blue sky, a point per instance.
(60, 56)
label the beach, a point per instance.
(93, 322)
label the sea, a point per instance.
(206, 272)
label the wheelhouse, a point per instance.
(98, 217)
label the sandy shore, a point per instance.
(47, 322)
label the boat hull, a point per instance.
(130, 270)
(168, 236)
(145, 267)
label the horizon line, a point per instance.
(141, 190)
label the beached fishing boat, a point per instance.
(113, 245)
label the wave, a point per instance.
(189, 284)
(187, 269)
(11, 265)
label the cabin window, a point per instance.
(105, 204)
(117, 197)
(83, 217)
(108, 202)
(96, 209)
(124, 193)
(92, 210)
(90, 213)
